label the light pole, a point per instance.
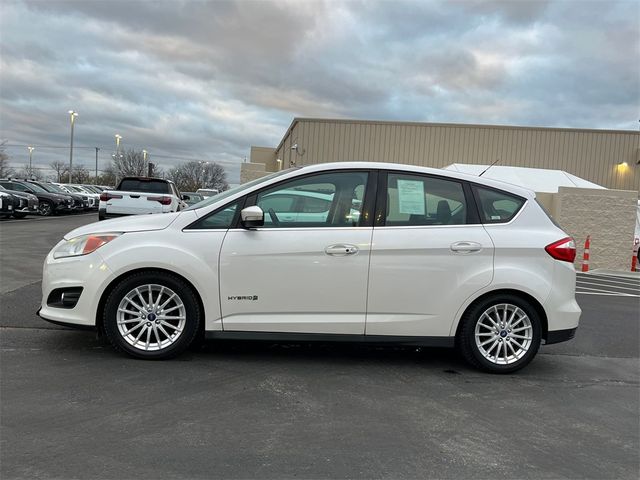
(97, 150)
(72, 115)
(144, 161)
(31, 149)
(118, 138)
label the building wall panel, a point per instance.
(590, 154)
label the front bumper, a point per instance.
(88, 271)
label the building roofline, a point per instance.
(435, 124)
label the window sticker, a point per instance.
(411, 197)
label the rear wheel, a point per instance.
(500, 334)
(19, 215)
(45, 208)
(152, 315)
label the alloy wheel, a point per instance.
(503, 334)
(44, 209)
(151, 317)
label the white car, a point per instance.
(433, 258)
(93, 197)
(140, 196)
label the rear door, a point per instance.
(429, 254)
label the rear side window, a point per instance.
(145, 186)
(414, 200)
(497, 206)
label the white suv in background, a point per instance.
(429, 257)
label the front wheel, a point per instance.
(152, 315)
(500, 334)
(45, 209)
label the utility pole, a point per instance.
(96, 180)
(73, 114)
(31, 149)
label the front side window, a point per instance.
(220, 219)
(416, 200)
(323, 200)
(497, 206)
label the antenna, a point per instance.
(483, 172)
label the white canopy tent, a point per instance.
(536, 179)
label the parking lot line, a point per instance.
(597, 291)
(612, 285)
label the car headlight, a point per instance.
(83, 244)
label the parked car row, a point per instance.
(21, 197)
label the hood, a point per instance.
(133, 223)
(28, 196)
(52, 196)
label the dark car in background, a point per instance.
(80, 202)
(49, 203)
(7, 202)
(24, 204)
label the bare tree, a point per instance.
(32, 173)
(81, 174)
(61, 170)
(193, 175)
(5, 169)
(107, 177)
(130, 163)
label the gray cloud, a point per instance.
(207, 79)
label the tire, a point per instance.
(19, 215)
(518, 334)
(147, 333)
(45, 208)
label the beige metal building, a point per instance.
(606, 157)
(610, 158)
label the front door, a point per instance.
(305, 270)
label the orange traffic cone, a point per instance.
(585, 257)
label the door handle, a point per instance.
(340, 250)
(466, 247)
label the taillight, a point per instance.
(564, 250)
(162, 200)
(105, 197)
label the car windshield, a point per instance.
(232, 191)
(36, 187)
(50, 187)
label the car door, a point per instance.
(430, 253)
(301, 273)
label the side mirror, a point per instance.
(186, 197)
(252, 217)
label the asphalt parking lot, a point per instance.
(73, 408)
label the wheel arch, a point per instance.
(107, 291)
(508, 291)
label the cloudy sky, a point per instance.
(208, 79)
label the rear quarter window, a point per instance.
(497, 206)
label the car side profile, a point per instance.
(392, 254)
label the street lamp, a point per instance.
(72, 115)
(31, 149)
(118, 138)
